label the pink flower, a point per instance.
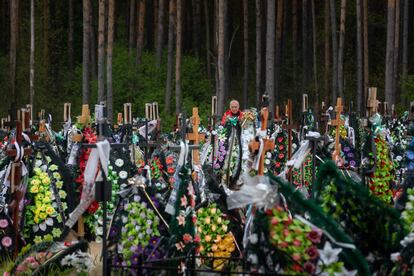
(286, 232)
(315, 235)
(184, 201)
(274, 221)
(309, 267)
(6, 273)
(297, 243)
(3, 223)
(313, 252)
(197, 239)
(187, 238)
(283, 244)
(181, 219)
(6, 241)
(296, 257)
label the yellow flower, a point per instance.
(225, 228)
(214, 247)
(46, 180)
(214, 227)
(35, 182)
(59, 184)
(62, 194)
(207, 220)
(48, 194)
(56, 175)
(219, 220)
(34, 189)
(208, 238)
(50, 210)
(218, 239)
(42, 216)
(213, 210)
(36, 219)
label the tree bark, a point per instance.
(208, 43)
(71, 61)
(334, 52)
(170, 62)
(278, 57)
(270, 51)
(314, 51)
(178, 95)
(46, 19)
(14, 8)
(131, 37)
(93, 42)
(305, 46)
(365, 51)
(360, 75)
(141, 31)
(101, 51)
(327, 56)
(258, 52)
(196, 27)
(221, 57)
(389, 59)
(160, 38)
(405, 48)
(341, 49)
(246, 53)
(396, 51)
(111, 19)
(32, 52)
(295, 42)
(86, 50)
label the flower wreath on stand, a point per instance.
(45, 203)
(279, 155)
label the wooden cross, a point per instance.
(305, 102)
(15, 179)
(148, 111)
(289, 126)
(42, 131)
(85, 118)
(336, 156)
(127, 113)
(155, 111)
(278, 119)
(23, 116)
(372, 102)
(195, 137)
(66, 111)
(268, 144)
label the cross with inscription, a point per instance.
(337, 123)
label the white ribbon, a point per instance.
(256, 161)
(151, 126)
(351, 135)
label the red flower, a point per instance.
(197, 238)
(315, 235)
(313, 252)
(283, 244)
(280, 139)
(93, 207)
(281, 147)
(187, 238)
(296, 268)
(309, 267)
(281, 156)
(277, 164)
(171, 170)
(169, 160)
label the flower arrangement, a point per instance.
(156, 167)
(349, 155)
(6, 241)
(140, 229)
(45, 209)
(170, 161)
(79, 260)
(280, 152)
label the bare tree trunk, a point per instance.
(111, 19)
(221, 57)
(131, 37)
(396, 50)
(160, 39)
(208, 43)
(32, 51)
(360, 76)
(197, 26)
(170, 62)
(341, 49)
(101, 51)
(389, 59)
(270, 51)
(14, 8)
(327, 51)
(93, 42)
(86, 49)
(365, 51)
(141, 31)
(46, 19)
(295, 42)
(258, 51)
(278, 57)
(305, 40)
(405, 48)
(315, 68)
(71, 61)
(178, 95)
(334, 52)
(155, 22)
(246, 53)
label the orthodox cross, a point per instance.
(195, 137)
(127, 113)
(17, 152)
(268, 144)
(337, 123)
(372, 103)
(66, 112)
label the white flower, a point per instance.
(119, 162)
(409, 206)
(253, 238)
(123, 174)
(99, 231)
(329, 255)
(345, 272)
(395, 256)
(398, 158)
(252, 258)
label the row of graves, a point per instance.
(258, 194)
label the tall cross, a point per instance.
(268, 144)
(18, 152)
(66, 111)
(289, 126)
(278, 119)
(337, 123)
(127, 113)
(372, 102)
(195, 137)
(85, 118)
(305, 102)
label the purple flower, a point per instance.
(350, 155)
(6, 241)
(346, 149)
(309, 267)
(352, 163)
(313, 252)
(315, 235)
(3, 223)
(135, 259)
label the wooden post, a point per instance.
(305, 102)
(268, 144)
(66, 111)
(85, 118)
(127, 113)
(29, 109)
(195, 137)
(385, 111)
(148, 111)
(336, 156)
(278, 119)
(155, 114)
(372, 102)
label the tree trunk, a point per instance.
(246, 53)
(71, 61)
(101, 51)
(46, 19)
(314, 51)
(131, 37)
(141, 31)
(365, 51)
(14, 8)
(93, 42)
(327, 57)
(178, 95)
(170, 62)
(208, 43)
(334, 52)
(221, 57)
(359, 57)
(86, 49)
(154, 22)
(270, 51)
(396, 50)
(196, 26)
(305, 46)
(111, 20)
(32, 52)
(389, 59)
(278, 58)
(405, 48)
(341, 49)
(258, 51)
(160, 39)
(295, 43)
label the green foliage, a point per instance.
(408, 87)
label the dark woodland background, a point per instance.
(182, 52)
